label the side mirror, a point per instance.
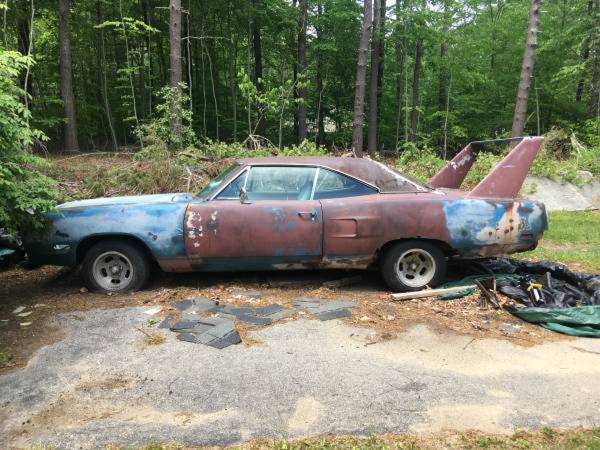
(243, 196)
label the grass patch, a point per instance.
(544, 439)
(154, 339)
(573, 237)
(6, 359)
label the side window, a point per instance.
(280, 183)
(335, 185)
(232, 191)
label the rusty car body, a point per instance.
(305, 212)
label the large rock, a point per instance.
(562, 196)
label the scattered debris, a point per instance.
(40, 305)
(215, 332)
(431, 292)
(510, 329)
(251, 295)
(19, 309)
(25, 314)
(486, 294)
(153, 337)
(25, 324)
(347, 281)
(153, 311)
(324, 309)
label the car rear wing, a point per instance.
(504, 181)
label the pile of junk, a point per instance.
(546, 293)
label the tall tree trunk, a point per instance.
(361, 75)
(303, 10)
(213, 82)
(101, 89)
(526, 69)
(258, 66)
(175, 63)
(595, 61)
(24, 22)
(380, 66)
(129, 69)
(188, 58)
(374, 81)
(146, 7)
(414, 114)
(70, 143)
(400, 61)
(443, 79)
(294, 47)
(233, 85)
(319, 79)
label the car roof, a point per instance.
(367, 170)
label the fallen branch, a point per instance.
(431, 292)
(94, 154)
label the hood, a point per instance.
(128, 200)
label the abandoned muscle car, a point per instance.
(294, 213)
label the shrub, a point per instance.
(25, 193)
(420, 163)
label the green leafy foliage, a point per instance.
(25, 193)
(156, 134)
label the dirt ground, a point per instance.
(48, 291)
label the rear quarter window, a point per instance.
(332, 184)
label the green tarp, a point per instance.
(575, 321)
(469, 280)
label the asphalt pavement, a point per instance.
(102, 385)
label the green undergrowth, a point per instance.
(573, 238)
(562, 157)
(162, 167)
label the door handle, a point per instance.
(311, 214)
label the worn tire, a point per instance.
(134, 256)
(399, 280)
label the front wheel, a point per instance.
(413, 265)
(115, 266)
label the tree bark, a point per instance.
(258, 66)
(585, 54)
(101, 76)
(361, 74)
(374, 81)
(414, 115)
(526, 70)
(380, 66)
(24, 28)
(443, 80)
(175, 63)
(302, 95)
(70, 143)
(233, 85)
(594, 103)
(400, 61)
(146, 7)
(320, 85)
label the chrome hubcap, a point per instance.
(415, 268)
(112, 271)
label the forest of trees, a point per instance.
(372, 74)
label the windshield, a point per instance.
(214, 185)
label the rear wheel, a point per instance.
(413, 265)
(115, 266)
